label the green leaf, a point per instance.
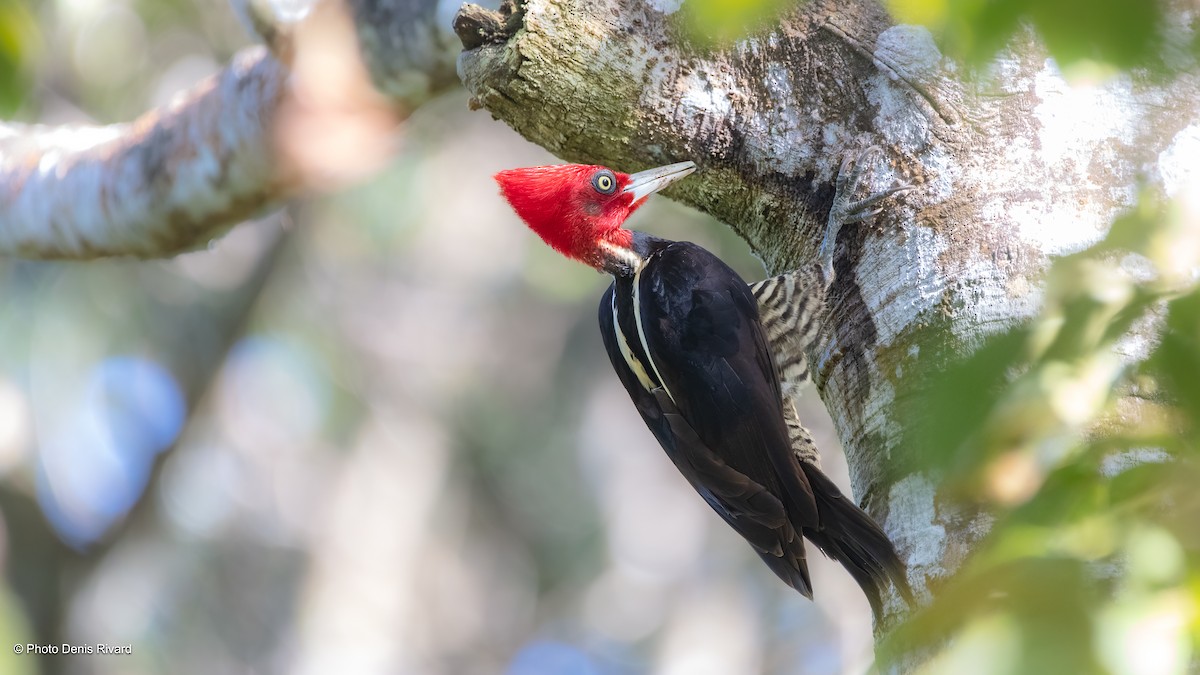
(964, 394)
(1049, 598)
(720, 22)
(1123, 33)
(1071, 493)
(19, 39)
(1176, 362)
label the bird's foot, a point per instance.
(845, 210)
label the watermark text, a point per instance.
(67, 648)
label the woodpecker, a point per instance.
(684, 334)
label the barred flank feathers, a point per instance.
(790, 307)
(801, 440)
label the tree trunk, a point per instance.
(1011, 167)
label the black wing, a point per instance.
(711, 395)
(751, 506)
(701, 329)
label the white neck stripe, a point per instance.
(639, 371)
(630, 258)
(637, 319)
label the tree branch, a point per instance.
(408, 46)
(165, 183)
(179, 176)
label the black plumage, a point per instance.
(682, 331)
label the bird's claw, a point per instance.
(845, 211)
(861, 210)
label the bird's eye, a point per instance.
(605, 182)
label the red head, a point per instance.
(578, 209)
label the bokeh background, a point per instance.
(374, 433)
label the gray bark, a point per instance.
(169, 181)
(179, 176)
(1011, 167)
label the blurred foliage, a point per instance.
(1087, 463)
(13, 630)
(411, 451)
(714, 23)
(1117, 33)
(20, 39)
(1122, 33)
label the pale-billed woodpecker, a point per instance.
(688, 341)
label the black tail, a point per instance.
(849, 536)
(794, 572)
